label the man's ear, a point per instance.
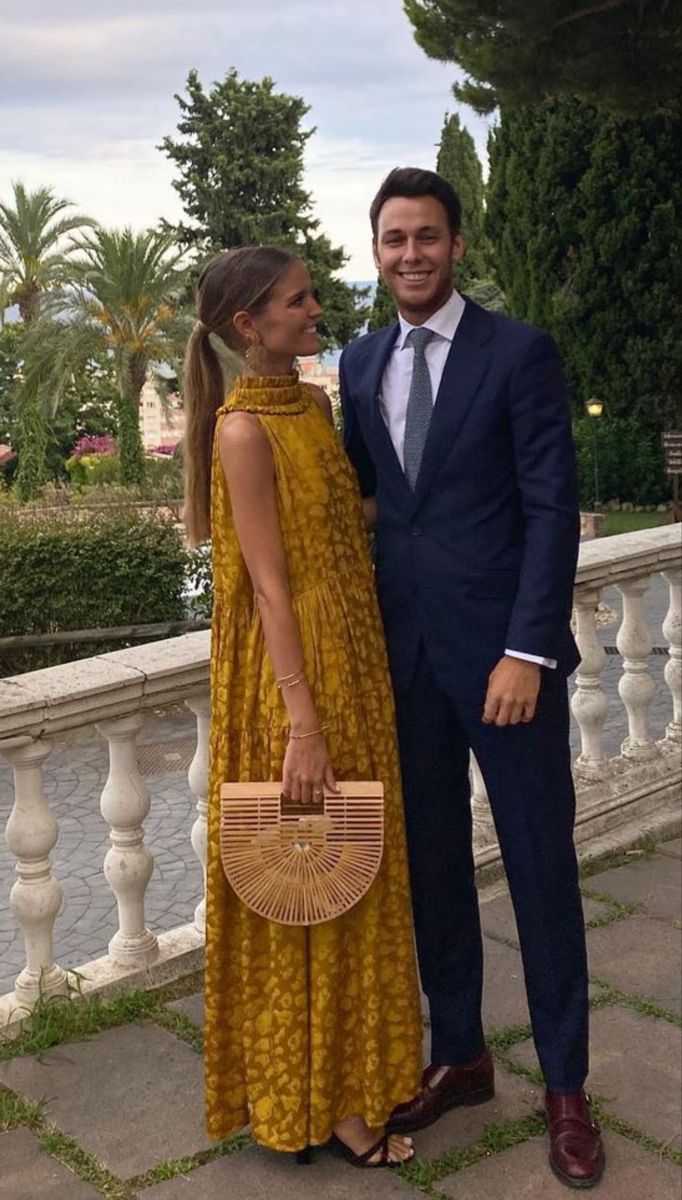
(375, 256)
(458, 248)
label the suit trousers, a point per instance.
(527, 771)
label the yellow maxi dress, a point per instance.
(305, 1027)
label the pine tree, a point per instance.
(621, 55)
(459, 163)
(239, 156)
(583, 215)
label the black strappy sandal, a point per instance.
(362, 1160)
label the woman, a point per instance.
(310, 1034)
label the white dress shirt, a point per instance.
(395, 389)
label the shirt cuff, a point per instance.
(542, 662)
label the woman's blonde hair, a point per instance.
(233, 281)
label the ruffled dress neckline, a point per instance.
(269, 394)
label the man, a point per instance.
(456, 420)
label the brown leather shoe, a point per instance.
(474, 1083)
(576, 1151)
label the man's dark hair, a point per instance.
(413, 181)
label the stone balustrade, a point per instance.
(618, 796)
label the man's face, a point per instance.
(415, 250)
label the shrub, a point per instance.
(112, 568)
(630, 461)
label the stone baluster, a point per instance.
(484, 828)
(200, 705)
(672, 632)
(36, 897)
(636, 686)
(589, 703)
(128, 865)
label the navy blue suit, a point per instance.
(480, 558)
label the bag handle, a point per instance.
(289, 808)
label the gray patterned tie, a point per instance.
(419, 405)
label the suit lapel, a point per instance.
(371, 388)
(465, 367)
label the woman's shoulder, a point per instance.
(321, 399)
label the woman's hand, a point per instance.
(308, 769)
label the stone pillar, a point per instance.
(36, 897)
(484, 827)
(128, 865)
(636, 686)
(589, 703)
(200, 705)
(672, 632)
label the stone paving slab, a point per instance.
(522, 1173)
(258, 1174)
(498, 920)
(672, 848)
(640, 956)
(514, 1098)
(131, 1097)
(635, 1067)
(27, 1172)
(655, 883)
(191, 1006)
(504, 987)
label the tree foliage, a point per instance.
(239, 157)
(583, 214)
(383, 311)
(621, 55)
(34, 255)
(124, 307)
(459, 163)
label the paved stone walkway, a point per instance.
(119, 1114)
(76, 772)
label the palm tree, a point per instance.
(34, 259)
(33, 255)
(125, 302)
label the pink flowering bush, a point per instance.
(165, 449)
(90, 444)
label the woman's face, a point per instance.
(288, 324)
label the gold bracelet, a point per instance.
(283, 678)
(297, 737)
(291, 681)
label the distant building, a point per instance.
(162, 423)
(324, 374)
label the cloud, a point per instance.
(86, 95)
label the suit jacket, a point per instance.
(482, 555)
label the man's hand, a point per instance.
(513, 689)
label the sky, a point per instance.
(87, 93)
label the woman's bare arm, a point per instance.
(249, 470)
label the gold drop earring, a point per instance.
(255, 354)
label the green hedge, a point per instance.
(629, 457)
(114, 568)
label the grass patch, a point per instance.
(71, 1155)
(495, 1139)
(173, 1167)
(15, 1110)
(628, 522)
(504, 1039)
(633, 1134)
(618, 910)
(644, 847)
(638, 1004)
(71, 1018)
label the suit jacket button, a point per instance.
(416, 530)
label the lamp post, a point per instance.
(595, 409)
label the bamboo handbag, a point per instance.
(301, 865)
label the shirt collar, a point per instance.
(444, 322)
